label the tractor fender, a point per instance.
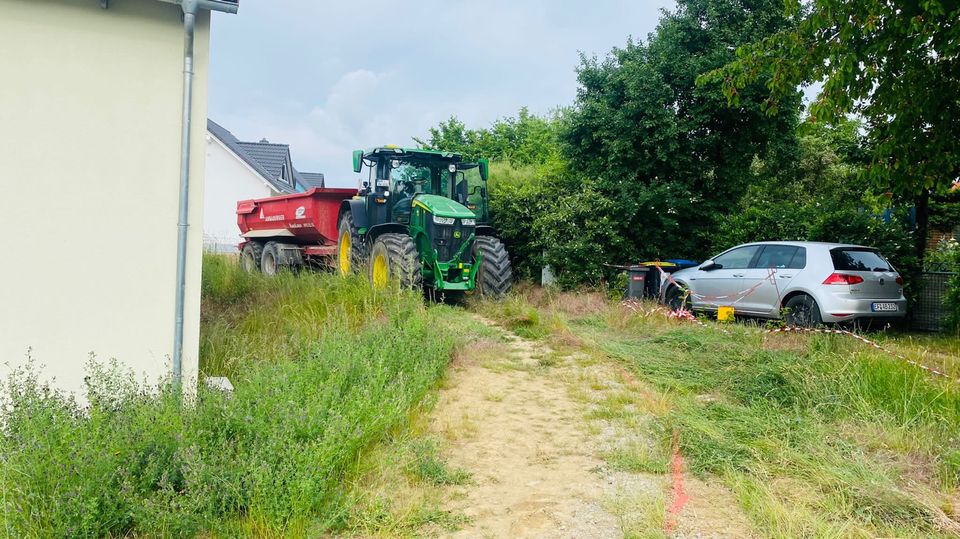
(485, 230)
(358, 209)
(385, 228)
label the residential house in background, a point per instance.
(92, 115)
(238, 170)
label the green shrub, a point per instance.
(274, 453)
(946, 257)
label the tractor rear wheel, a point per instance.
(394, 256)
(495, 276)
(349, 246)
(250, 257)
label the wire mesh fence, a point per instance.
(929, 311)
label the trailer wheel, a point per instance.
(394, 256)
(349, 246)
(272, 260)
(250, 257)
(495, 276)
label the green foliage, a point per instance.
(527, 139)
(947, 258)
(666, 152)
(345, 366)
(644, 164)
(818, 199)
(895, 64)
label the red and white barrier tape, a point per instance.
(864, 340)
(683, 314)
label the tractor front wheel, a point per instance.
(394, 256)
(495, 276)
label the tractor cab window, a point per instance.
(407, 180)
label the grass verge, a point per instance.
(323, 368)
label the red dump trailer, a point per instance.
(290, 230)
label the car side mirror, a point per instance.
(710, 265)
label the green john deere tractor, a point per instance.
(422, 217)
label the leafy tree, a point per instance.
(820, 200)
(669, 153)
(895, 63)
(527, 139)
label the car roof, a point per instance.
(824, 244)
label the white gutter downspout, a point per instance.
(190, 8)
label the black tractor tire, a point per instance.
(250, 257)
(495, 276)
(271, 261)
(803, 311)
(353, 260)
(402, 261)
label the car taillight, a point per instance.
(843, 278)
(899, 280)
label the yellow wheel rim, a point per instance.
(381, 273)
(344, 258)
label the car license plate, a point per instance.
(885, 307)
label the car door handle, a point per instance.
(738, 275)
(786, 276)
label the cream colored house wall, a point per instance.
(90, 109)
(228, 179)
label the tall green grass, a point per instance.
(322, 366)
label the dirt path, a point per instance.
(528, 424)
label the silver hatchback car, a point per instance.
(810, 282)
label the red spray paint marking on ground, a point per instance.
(680, 496)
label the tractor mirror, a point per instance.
(484, 169)
(357, 160)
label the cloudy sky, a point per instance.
(330, 77)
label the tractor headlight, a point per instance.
(443, 220)
(468, 222)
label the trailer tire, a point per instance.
(271, 262)
(394, 256)
(350, 255)
(495, 276)
(250, 257)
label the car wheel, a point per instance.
(803, 311)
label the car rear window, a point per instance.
(846, 259)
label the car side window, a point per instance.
(799, 260)
(776, 256)
(738, 258)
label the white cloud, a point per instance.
(331, 77)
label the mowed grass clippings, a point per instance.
(323, 367)
(817, 436)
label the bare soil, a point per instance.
(518, 417)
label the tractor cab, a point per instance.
(398, 175)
